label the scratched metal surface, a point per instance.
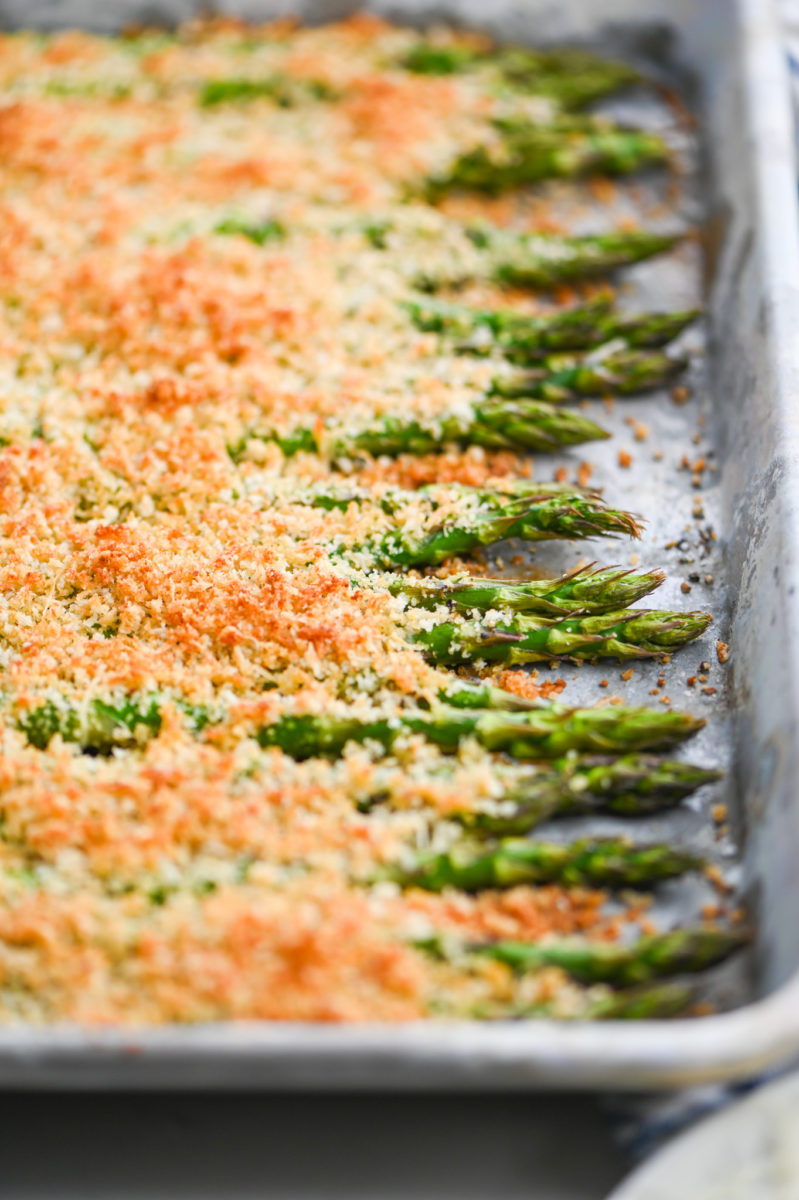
(738, 555)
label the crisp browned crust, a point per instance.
(196, 876)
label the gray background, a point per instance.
(305, 1147)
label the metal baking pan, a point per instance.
(723, 57)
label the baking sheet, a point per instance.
(750, 503)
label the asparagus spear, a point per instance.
(642, 331)
(680, 951)
(99, 729)
(591, 862)
(521, 413)
(102, 727)
(527, 339)
(493, 422)
(428, 58)
(562, 330)
(634, 785)
(547, 260)
(585, 590)
(425, 530)
(546, 732)
(572, 78)
(652, 1003)
(283, 90)
(497, 423)
(490, 515)
(632, 633)
(620, 371)
(260, 232)
(529, 153)
(483, 695)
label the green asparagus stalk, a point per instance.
(631, 633)
(424, 533)
(571, 78)
(526, 339)
(547, 260)
(634, 785)
(428, 58)
(681, 951)
(102, 727)
(549, 731)
(656, 1002)
(489, 516)
(499, 424)
(546, 731)
(620, 372)
(564, 329)
(493, 422)
(650, 1002)
(583, 591)
(260, 232)
(483, 695)
(590, 862)
(531, 153)
(521, 413)
(282, 90)
(639, 331)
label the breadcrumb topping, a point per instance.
(204, 239)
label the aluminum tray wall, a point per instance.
(729, 55)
